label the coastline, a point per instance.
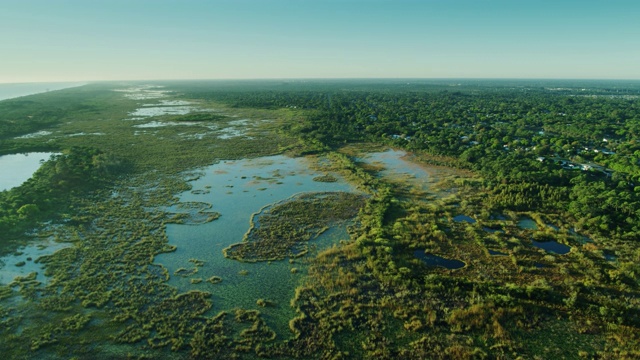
(16, 90)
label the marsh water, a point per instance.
(435, 260)
(18, 168)
(464, 218)
(25, 260)
(527, 224)
(395, 166)
(552, 246)
(237, 190)
(497, 253)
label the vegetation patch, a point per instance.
(325, 178)
(192, 213)
(283, 229)
(194, 218)
(214, 279)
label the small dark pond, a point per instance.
(492, 230)
(465, 218)
(496, 253)
(552, 246)
(434, 260)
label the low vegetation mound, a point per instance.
(325, 178)
(282, 230)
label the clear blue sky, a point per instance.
(80, 40)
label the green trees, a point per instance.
(603, 208)
(50, 191)
(28, 211)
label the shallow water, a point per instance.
(492, 230)
(464, 218)
(527, 224)
(395, 166)
(34, 135)
(86, 134)
(170, 103)
(9, 270)
(144, 92)
(230, 133)
(552, 246)
(198, 136)
(496, 253)
(435, 260)
(237, 189)
(157, 124)
(18, 168)
(162, 110)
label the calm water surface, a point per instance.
(238, 189)
(435, 260)
(464, 218)
(28, 256)
(552, 246)
(527, 224)
(18, 168)
(396, 166)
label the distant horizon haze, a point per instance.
(149, 40)
(86, 82)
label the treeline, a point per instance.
(48, 194)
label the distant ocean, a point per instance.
(9, 91)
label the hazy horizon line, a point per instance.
(318, 78)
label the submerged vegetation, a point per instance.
(531, 187)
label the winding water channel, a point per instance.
(237, 190)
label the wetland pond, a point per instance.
(464, 218)
(18, 168)
(527, 223)
(496, 253)
(552, 246)
(395, 166)
(435, 260)
(237, 190)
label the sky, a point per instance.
(86, 40)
